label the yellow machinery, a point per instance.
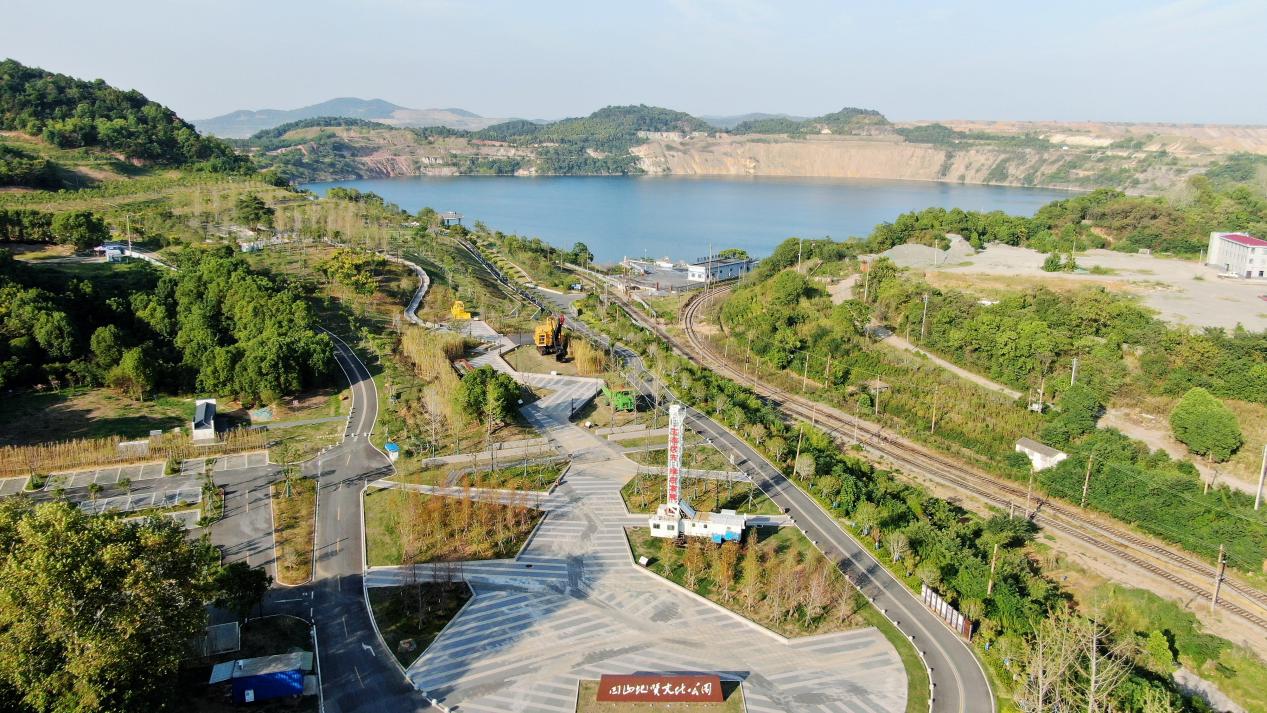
(550, 339)
(459, 310)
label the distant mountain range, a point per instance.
(243, 123)
(730, 122)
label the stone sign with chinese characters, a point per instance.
(660, 689)
(673, 473)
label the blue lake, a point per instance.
(682, 216)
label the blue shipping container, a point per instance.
(268, 686)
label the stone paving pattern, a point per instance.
(572, 606)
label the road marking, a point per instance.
(286, 601)
(370, 649)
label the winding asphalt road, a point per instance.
(358, 672)
(959, 682)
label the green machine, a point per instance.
(620, 400)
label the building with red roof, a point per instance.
(1238, 254)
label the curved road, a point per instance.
(958, 680)
(358, 672)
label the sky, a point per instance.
(1181, 61)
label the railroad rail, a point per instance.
(1178, 568)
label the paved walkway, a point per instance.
(572, 606)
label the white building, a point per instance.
(204, 424)
(712, 269)
(1040, 456)
(1238, 254)
(720, 527)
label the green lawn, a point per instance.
(411, 616)
(520, 477)
(536, 477)
(305, 441)
(600, 414)
(635, 440)
(526, 359)
(699, 457)
(38, 417)
(403, 524)
(645, 492)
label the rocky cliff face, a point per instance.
(890, 157)
(1078, 164)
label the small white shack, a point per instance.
(1041, 456)
(204, 423)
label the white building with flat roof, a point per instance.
(712, 269)
(1238, 254)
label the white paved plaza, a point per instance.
(573, 607)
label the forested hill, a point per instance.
(338, 147)
(849, 120)
(71, 113)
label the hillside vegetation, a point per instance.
(1028, 340)
(72, 113)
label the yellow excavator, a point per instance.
(459, 310)
(550, 337)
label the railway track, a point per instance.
(1178, 568)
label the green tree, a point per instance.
(106, 345)
(96, 613)
(1205, 425)
(252, 210)
(134, 374)
(580, 254)
(240, 587)
(1052, 263)
(80, 228)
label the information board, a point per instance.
(660, 689)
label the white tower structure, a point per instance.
(675, 518)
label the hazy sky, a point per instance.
(1181, 61)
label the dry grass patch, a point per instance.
(294, 527)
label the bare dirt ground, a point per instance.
(1182, 292)
(842, 290)
(1156, 433)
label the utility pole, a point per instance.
(877, 402)
(1262, 473)
(1073, 377)
(827, 378)
(932, 428)
(1218, 579)
(800, 243)
(1029, 493)
(805, 374)
(994, 561)
(800, 430)
(1086, 480)
(923, 320)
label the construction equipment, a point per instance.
(459, 310)
(548, 335)
(620, 400)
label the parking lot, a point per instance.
(146, 485)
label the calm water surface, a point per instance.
(681, 216)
